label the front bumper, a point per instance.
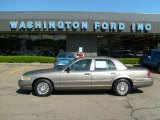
(143, 82)
(25, 84)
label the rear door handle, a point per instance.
(87, 74)
(113, 73)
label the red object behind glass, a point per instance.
(80, 54)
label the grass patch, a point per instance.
(129, 60)
(26, 59)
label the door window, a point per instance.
(104, 65)
(82, 65)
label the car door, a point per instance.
(103, 74)
(155, 58)
(147, 58)
(78, 76)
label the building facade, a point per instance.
(97, 33)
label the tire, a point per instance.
(43, 87)
(122, 87)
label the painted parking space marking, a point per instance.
(17, 70)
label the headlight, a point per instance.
(25, 78)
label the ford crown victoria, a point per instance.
(88, 73)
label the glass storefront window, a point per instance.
(2, 44)
(32, 44)
(23, 50)
(10, 44)
(52, 44)
(111, 45)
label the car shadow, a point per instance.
(102, 92)
(78, 92)
(136, 91)
(25, 92)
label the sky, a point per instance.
(135, 6)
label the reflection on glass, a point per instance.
(109, 45)
(9, 44)
(32, 44)
(23, 44)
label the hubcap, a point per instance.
(42, 88)
(122, 88)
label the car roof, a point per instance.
(154, 50)
(65, 53)
(98, 57)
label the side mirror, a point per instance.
(67, 69)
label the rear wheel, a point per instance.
(43, 87)
(122, 87)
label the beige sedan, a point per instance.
(88, 73)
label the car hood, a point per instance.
(41, 71)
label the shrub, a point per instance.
(129, 60)
(43, 59)
(26, 59)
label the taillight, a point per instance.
(148, 73)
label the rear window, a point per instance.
(69, 56)
(62, 55)
(65, 55)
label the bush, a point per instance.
(43, 59)
(26, 59)
(129, 60)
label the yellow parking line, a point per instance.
(18, 69)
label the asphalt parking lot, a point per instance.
(141, 104)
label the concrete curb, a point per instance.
(32, 64)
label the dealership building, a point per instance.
(96, 33)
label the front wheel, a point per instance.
(122, 87)
(43, 87)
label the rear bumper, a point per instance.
(143, 82)
(25, 84)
